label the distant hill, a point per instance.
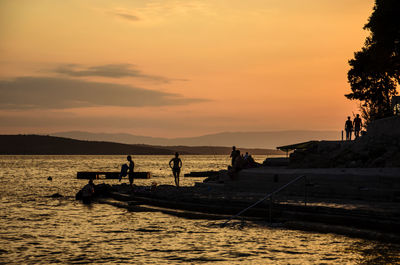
(242, 139)
(51, 145)
(37, 144)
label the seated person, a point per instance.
(88, 192)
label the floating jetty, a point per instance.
(200, 174)
(109, 175)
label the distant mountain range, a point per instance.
(241, 139)
(52, 145)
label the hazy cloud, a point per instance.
(125, 15)
(59, 120)
(60, 93)
(68, 120)
(108, 70)
(157, 11)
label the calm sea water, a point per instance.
(37, 229)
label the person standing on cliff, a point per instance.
(348, 127)
(176, 164)
(357, 126)
(130, 170)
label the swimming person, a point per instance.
(176, 167)
(130, 171)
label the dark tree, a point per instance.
(375, 70)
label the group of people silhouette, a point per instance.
(240, 161)
(175, 164)
(351, 126)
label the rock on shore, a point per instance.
(379, 148)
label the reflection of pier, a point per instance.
(109, 175)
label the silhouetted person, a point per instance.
(176, 164)
(130, 170)
(348, 127)
(248, 161)
(357, 126)
(88, 192)
(238, 165)
(251, 162)
(233, 154)
(124, 171)
(239, 162)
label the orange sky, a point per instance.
(177, 68)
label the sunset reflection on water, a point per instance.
(37, 229)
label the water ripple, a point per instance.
(38, 229)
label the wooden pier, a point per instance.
(109, 175)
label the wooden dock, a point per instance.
(109, 175)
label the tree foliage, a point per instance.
(375, 70)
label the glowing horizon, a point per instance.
(177, 68)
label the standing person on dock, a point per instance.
(233, 154)
(130, 170)
(176, 164)
(357, 126)
(348, 127)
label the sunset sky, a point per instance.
(177, 68)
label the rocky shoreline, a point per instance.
(380, 147)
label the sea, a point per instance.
(36, 228)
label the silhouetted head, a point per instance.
(358, 115)
(176, 154)
(348, 117)
(233, 148)
(91, 181)
(129, 158)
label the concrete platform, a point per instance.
(347, 217)
(371, 184)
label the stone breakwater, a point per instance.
(380, 147)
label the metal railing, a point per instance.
(271, 202)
